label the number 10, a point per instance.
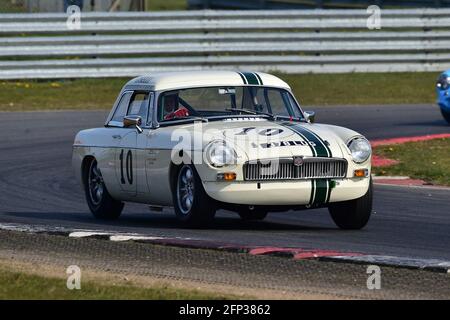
(128, 167)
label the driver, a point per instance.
(172, 109)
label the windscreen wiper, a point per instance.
(289, 118)
(182, 120)
(253, 112)
(274, 117)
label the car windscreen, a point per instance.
(226, 101)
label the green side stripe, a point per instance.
(251, 78)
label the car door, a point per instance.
(115, 132)
(157, 158)
(143, 154)
(126, 162)
(126, 158)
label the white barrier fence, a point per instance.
(294, 41)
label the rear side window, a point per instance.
(122, 108)
(139, 105)
(131, 103)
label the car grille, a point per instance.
(312, 168)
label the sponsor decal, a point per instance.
(243, 119)
(244, 131)
(263, 132)
(270, 132)
(289, 143)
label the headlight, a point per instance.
(443, 82)
(219, 154)
(360, 149)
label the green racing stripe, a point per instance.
(250, 78)
(320, 191)
(320, 148)
(259, 78)
(313, 188)
(320, 188)
(242, 77)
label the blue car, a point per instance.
(443, 93)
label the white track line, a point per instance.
(133, 238)
(393, 261)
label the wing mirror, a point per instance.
(310, 116)
(133, 121)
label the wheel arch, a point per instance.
(173, 173)
(175, 168)
(84, 166)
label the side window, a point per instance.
(139, 105)
(121, 109)
(294, 106)
(277, 103)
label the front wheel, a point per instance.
(446, 115)
(192, 205)
(100, 202)
(353, 214)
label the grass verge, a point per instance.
(363, 88)
(20, 285)
(162, 5)
(82, 94)
(427, 160)
(310, 89)
(6, 6)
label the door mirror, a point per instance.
(133, 121)
(310, 116)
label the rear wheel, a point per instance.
(192, 205)
(100, 202)
(252, 213)
(353, 214)
(446, 115)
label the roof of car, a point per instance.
(185, 79)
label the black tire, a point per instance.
(193, 207)
(101, 204)
(353, 214)
(248, 214)
(446, 115)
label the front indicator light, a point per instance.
(361, 173)
(226, 176)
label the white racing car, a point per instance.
(203, 141)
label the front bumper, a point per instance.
(299, 192)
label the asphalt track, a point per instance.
(37, 187)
